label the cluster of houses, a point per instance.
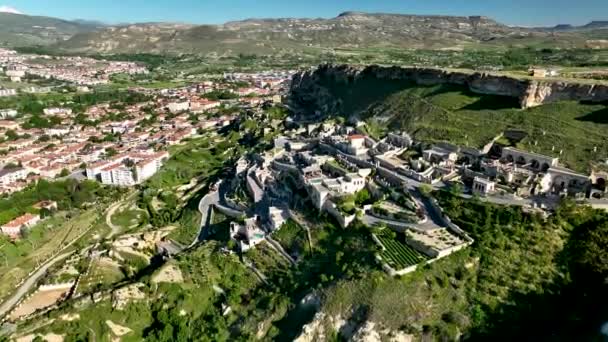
(46, 153)
(332, 162)
(18, 226)
(333, 165)
(76, 70)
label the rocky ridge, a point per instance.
(347, 30)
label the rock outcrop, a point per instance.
(314, 90)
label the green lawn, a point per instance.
(188, 227)
(196, 159)
(267, 260)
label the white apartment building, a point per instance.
(176, 107)
(128, 169)
(57, 111)
(8, 92)
(12, 175)
(7, 113)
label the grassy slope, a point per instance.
(514, 256)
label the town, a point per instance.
(331, 168)
(109, 183)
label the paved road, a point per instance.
(205, 207)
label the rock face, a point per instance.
(538, 93)
(313, 90)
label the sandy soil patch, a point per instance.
(40, 300)
(70, 317)
(118, 330)
(122, 296)
(108, 262)
(48, 337)
(129, 250)
(168, 274)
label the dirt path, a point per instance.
(111, 210)
(115, 229)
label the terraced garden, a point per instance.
(399, 255)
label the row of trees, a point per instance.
(68, 194)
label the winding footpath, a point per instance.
(115, 229)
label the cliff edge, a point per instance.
(310, 89)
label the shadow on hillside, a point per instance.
(491, 102)
(449, 88)
(552, 315)
(599, 116)
(560, 311)
(364, 92)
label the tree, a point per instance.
(111, 152)
(425, 190)
(11, 135)
(588, 252)
(456, 189)
(362, 197)
(44, 138)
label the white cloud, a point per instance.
(9, 9)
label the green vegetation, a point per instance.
(192, 168)
(18, 258)
(69, 194)
(130, 217)
(267, 260)
(484, 291)
(520, 276)
(455, 114)
(397, 253)
(35, 104)
(293, 238)
(188, 224)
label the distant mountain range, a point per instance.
(594, 25)
(23, 30)
(267, 36)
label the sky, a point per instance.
(511, 12)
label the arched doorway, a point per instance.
(534, 164)
(600, 184)
(521, 160)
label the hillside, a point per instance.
(350, 30)
(24, 30)
(435, 106)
